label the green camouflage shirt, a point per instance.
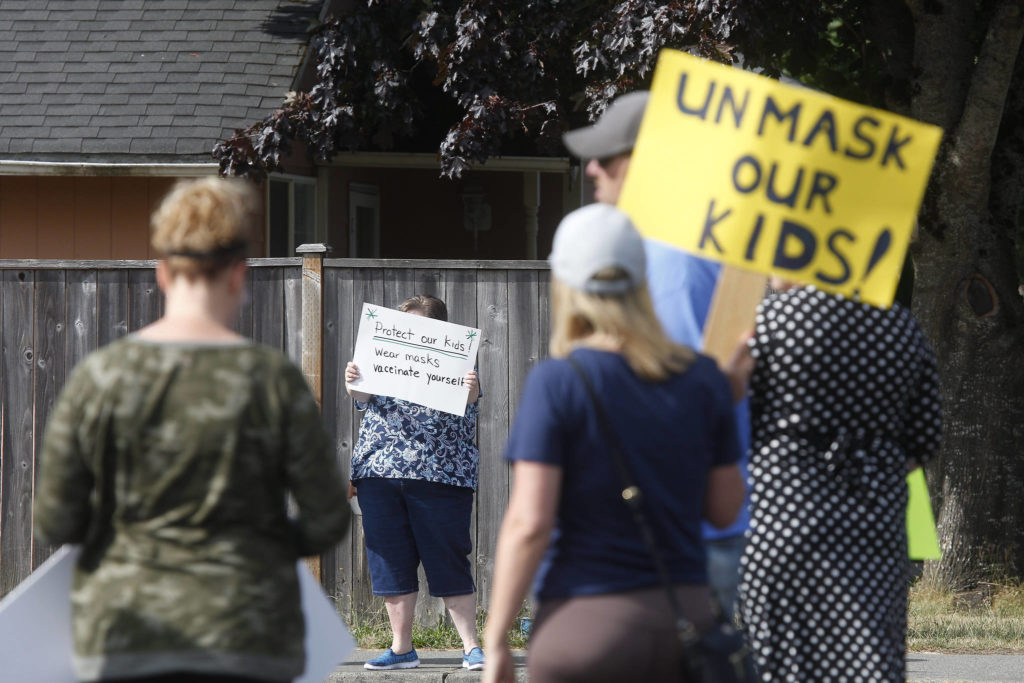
(171, 464)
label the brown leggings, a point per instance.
(614, 638)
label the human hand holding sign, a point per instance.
(472, 381)
(739, 367)
(352, 376)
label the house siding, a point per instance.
(46, 217)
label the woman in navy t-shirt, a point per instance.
(603, 613)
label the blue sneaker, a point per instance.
(473, 660)
(389, 660)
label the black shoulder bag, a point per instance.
(719, 656)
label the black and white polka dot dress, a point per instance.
(843, 396)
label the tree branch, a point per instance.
(978, 129)
(943, 55)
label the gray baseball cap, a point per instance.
(593, 238)
(614, 132)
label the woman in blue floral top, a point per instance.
(415, 470)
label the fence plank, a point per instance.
(336, 566)
(398, 286)
(523, 333)
(268, 307)
(145, 300)
(544, 311)
(460, 289)
(111, 305)
(16, 438)
(460, 293)
(368, 287)
(293, 314)
(242, 324)
(82, 318)
(493, 320)
(527, 305)
(50, 356)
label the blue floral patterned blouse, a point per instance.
(403, 440)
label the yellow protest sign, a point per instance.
(743, 169)
(922, 538)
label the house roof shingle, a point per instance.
(129, 81)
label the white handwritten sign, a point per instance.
(35, 625)
(414, 358)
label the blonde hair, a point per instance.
(628, 318)
(203, 226)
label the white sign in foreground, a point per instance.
(35, 623)
(414, 358)
(35, 626)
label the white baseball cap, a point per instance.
(593, 238)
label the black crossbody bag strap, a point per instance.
(633, 497)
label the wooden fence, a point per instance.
(52, 313)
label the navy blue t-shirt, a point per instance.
(681, 287)
(673, 432)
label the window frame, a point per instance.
(292, 180)
(363, 191)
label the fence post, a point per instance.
(313, 332)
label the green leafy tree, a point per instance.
(470, 79)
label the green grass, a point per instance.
(987, 620)
(373, 632)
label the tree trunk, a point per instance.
(967, 305)
(965, 294)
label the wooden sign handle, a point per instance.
(733, 308)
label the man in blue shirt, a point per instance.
(681, 286)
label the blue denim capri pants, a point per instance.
(409, 521)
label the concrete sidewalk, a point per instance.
(931, 668)
(435, 666)
(446, 665)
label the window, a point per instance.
(363, 221)
(291, 214)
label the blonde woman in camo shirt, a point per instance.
(170, 456)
